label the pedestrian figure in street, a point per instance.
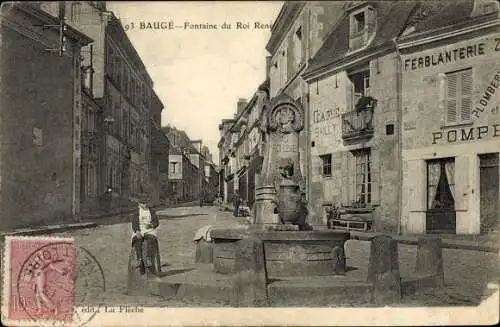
(108, 196)
(304, 212)
(144, 225)
(236, 203)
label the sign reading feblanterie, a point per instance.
(445, 57)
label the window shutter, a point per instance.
(350, 96)
(345, 177)
(375, 177)
(451, 99)
(466, 103)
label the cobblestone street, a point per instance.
(467, 273)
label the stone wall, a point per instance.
(36, 132)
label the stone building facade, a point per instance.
(159, 162)
(130, 105)
(244, 151)
(186, 166)
(211, 176)
(353, 115)
(92, 139)
(378, 113)
(40, 120)
(297, 34)
(451, 119)
(226, 173)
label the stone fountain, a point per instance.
(291, 247)
(279, 260)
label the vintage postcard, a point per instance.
(250, 163)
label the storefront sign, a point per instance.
(324, 130)
(324, 115)
(491, 89)
(322, 121)
(466, 134)
(444, 57)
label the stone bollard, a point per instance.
(204, 245)
(137, 283)
(204, 252)
(339, 261)
(383, 270)
(249, 288)
(430, 260)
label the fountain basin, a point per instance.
(287, 253)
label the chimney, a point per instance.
(268, 66)
(241, 105)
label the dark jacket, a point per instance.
(135, 219)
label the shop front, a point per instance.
(451, 137)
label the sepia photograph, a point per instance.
(250, 163)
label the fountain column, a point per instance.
(281, 123)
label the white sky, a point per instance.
(200, 74)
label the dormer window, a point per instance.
(359, 22)
(362, 27)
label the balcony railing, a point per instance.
(357, 124)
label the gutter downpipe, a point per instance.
(399, 119)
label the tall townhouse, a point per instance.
(248, 147)
(180, 176)
(197, 158)
(226, 171)
(354, 116)
(132, 104)
(450, 54)
(92, 145)
(40, 117)
(254, 135)
(297, 34)
(239, 151)
(120, 81)
(232, 148)
(211, 176)
(160, 167)
(184, 163)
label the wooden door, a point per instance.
(488, 191)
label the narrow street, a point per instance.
(467, 273)
(110, 244)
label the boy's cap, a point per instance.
(142, 198)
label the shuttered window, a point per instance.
(459, 97)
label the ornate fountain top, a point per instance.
(286, 115)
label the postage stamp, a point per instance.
(39, 278)
(45, 278)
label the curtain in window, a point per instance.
(450, 176)
(433, 175)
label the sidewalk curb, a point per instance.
(87, 222)
(49, 229)
(446, 243)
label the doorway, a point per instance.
(441, 215)
(488, 191)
